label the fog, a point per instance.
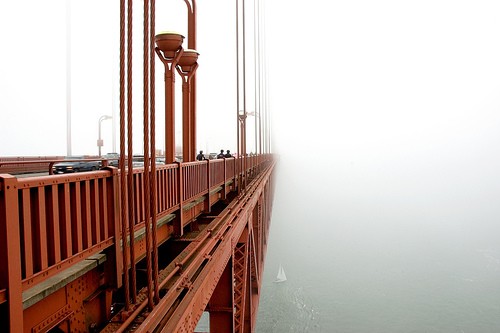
(386, 119)
(33, 75)
(386, 214)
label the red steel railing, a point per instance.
(14, 165)
(167, 188)
(196, 172)
(217, 175)
(63, 219)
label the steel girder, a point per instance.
(219, 271)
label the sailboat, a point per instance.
(281, 277)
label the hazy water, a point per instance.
(380, 263)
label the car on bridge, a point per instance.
(113, 159)
(75, 164)
(138, 161)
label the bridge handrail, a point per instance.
(43, 165)
(21, 165)
(63, 219)
(52, 222)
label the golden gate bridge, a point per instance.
(143, 249)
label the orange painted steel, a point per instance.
(42, 165)
(187, 68)
(139, 249)
(18, 165)
(61, 247)
(63, 219)
(190, 282)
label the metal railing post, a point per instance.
(10, 253)
(114, 210)
(207, 203)
(179, 219)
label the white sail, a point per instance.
(281, 277)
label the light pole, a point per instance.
(186, 67)
(99, 140)
(169, 50)
(242, 147)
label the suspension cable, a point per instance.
(130, 175)
(147, 171)
(123, 189)
(153, 147)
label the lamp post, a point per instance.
(242, 147)
(169, 50)
(191, 44)
(257, 123)
(186, 68)
(99, 140)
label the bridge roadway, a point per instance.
(64, 266)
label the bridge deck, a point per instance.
(62, 246)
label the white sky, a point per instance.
(387, 122)
(376, 78)
(403, 80)
(33, 80)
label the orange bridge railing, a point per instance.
(50, 223)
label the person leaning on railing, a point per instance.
(200, 156)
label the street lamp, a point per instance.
(169, 50)
(100, 142)
(186, 67)
(242, 116)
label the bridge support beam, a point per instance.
(241, 298)
(221, 303)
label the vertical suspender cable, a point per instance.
(130, 153)
(265, 90)
(263, 76)
(238, 90)
(147, 170)
(153, 147)
(244, 126)
(123, 189)
(255, 73)
(261, 84)
(269, 128)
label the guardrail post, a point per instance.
(207, 204)
(114, 209)
(10, 254)
(233, 176)
(238, 177)
(224, 187)
(178, 222)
